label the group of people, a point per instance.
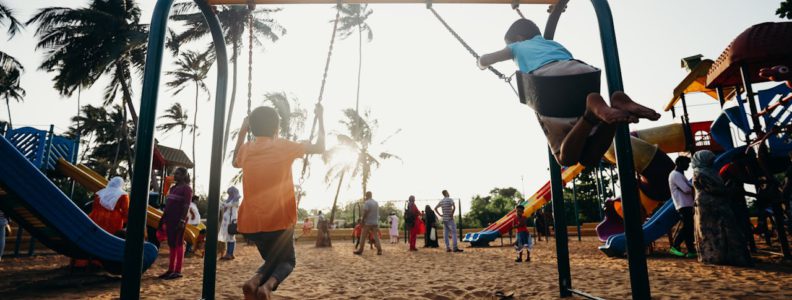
(716, 225)
(417, 222)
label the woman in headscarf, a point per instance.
(229, 209)
(430, 220)
(174, 220)
(719, 239)
(111, 207)
(413, 220)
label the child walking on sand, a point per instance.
(576, 132)
(269, 212)
(524, 241)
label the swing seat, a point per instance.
(557, 96)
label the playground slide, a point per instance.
(649, 147)
(38, 206)
(532, 204)
(94, 182)
(662, 220)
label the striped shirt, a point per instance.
(447, 205)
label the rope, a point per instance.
(321, 93)
(470, 50)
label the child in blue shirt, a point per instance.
(580, 139)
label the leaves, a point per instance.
(785, 9)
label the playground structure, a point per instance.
(39, 206)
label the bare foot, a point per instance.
(621, 101)
(264, 291)
(596, 105)
(250, 288)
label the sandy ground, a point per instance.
(335, 273)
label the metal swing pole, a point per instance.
(639, 275)
(144, 144)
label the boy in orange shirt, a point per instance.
(269, 209)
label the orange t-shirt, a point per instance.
(268, 201)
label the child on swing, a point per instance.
(269, 212)
(578, 139)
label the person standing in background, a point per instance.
(449, 226)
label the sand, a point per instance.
(335, 273)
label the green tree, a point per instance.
(357, 144)
(82, 44)
(175, 118)
(10, 88)
(485, 210)
(8, 62)
(353, 19)
(98, 131)
(785, 9)
(234, 19)
(192, 68)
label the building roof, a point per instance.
(175, 157)
(694, 82)
(760, 46)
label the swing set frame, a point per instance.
(133, 252)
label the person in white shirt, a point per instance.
(449, 227)
(682, 195)
(394, 228)
(194, 216)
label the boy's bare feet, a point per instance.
(621, 101)
(596, 105)
(250, 288)
(264, 291)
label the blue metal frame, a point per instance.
(130, 288)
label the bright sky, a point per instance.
(462, 129)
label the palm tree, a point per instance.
(10, 89)
(354, 17)
(8, 62)
(82, 44)
(292, 116)
(191, 68)
(98, 127)
(234, 21)
(358, 144)
(176, 119)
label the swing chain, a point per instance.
(321, 89)
(470, 50)
(516, 7)
(251, 7)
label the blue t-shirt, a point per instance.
(534, 53)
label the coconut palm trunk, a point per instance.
(8, 107)
(233, 97)
(335, 200)
(360, 65)
(195, 124)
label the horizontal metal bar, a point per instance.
(584, 294)
(244, 2)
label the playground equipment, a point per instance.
(94, 182)
(761, 46)
(130, 287)
(40, 207)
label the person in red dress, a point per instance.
(414, 222)
(111, 207)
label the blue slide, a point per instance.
(661, 221)
(33, 201)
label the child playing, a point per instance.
(582, 137)
(524, 241)
(269, 212)
(357, 231)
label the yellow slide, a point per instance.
(94, 182)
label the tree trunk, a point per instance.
(233, 98)
(181, 139)
(8, 107)
(360, 66)
(127, 98)
(195, 131)
(335, 200)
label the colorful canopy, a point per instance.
(695, 82)
(760, 46)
